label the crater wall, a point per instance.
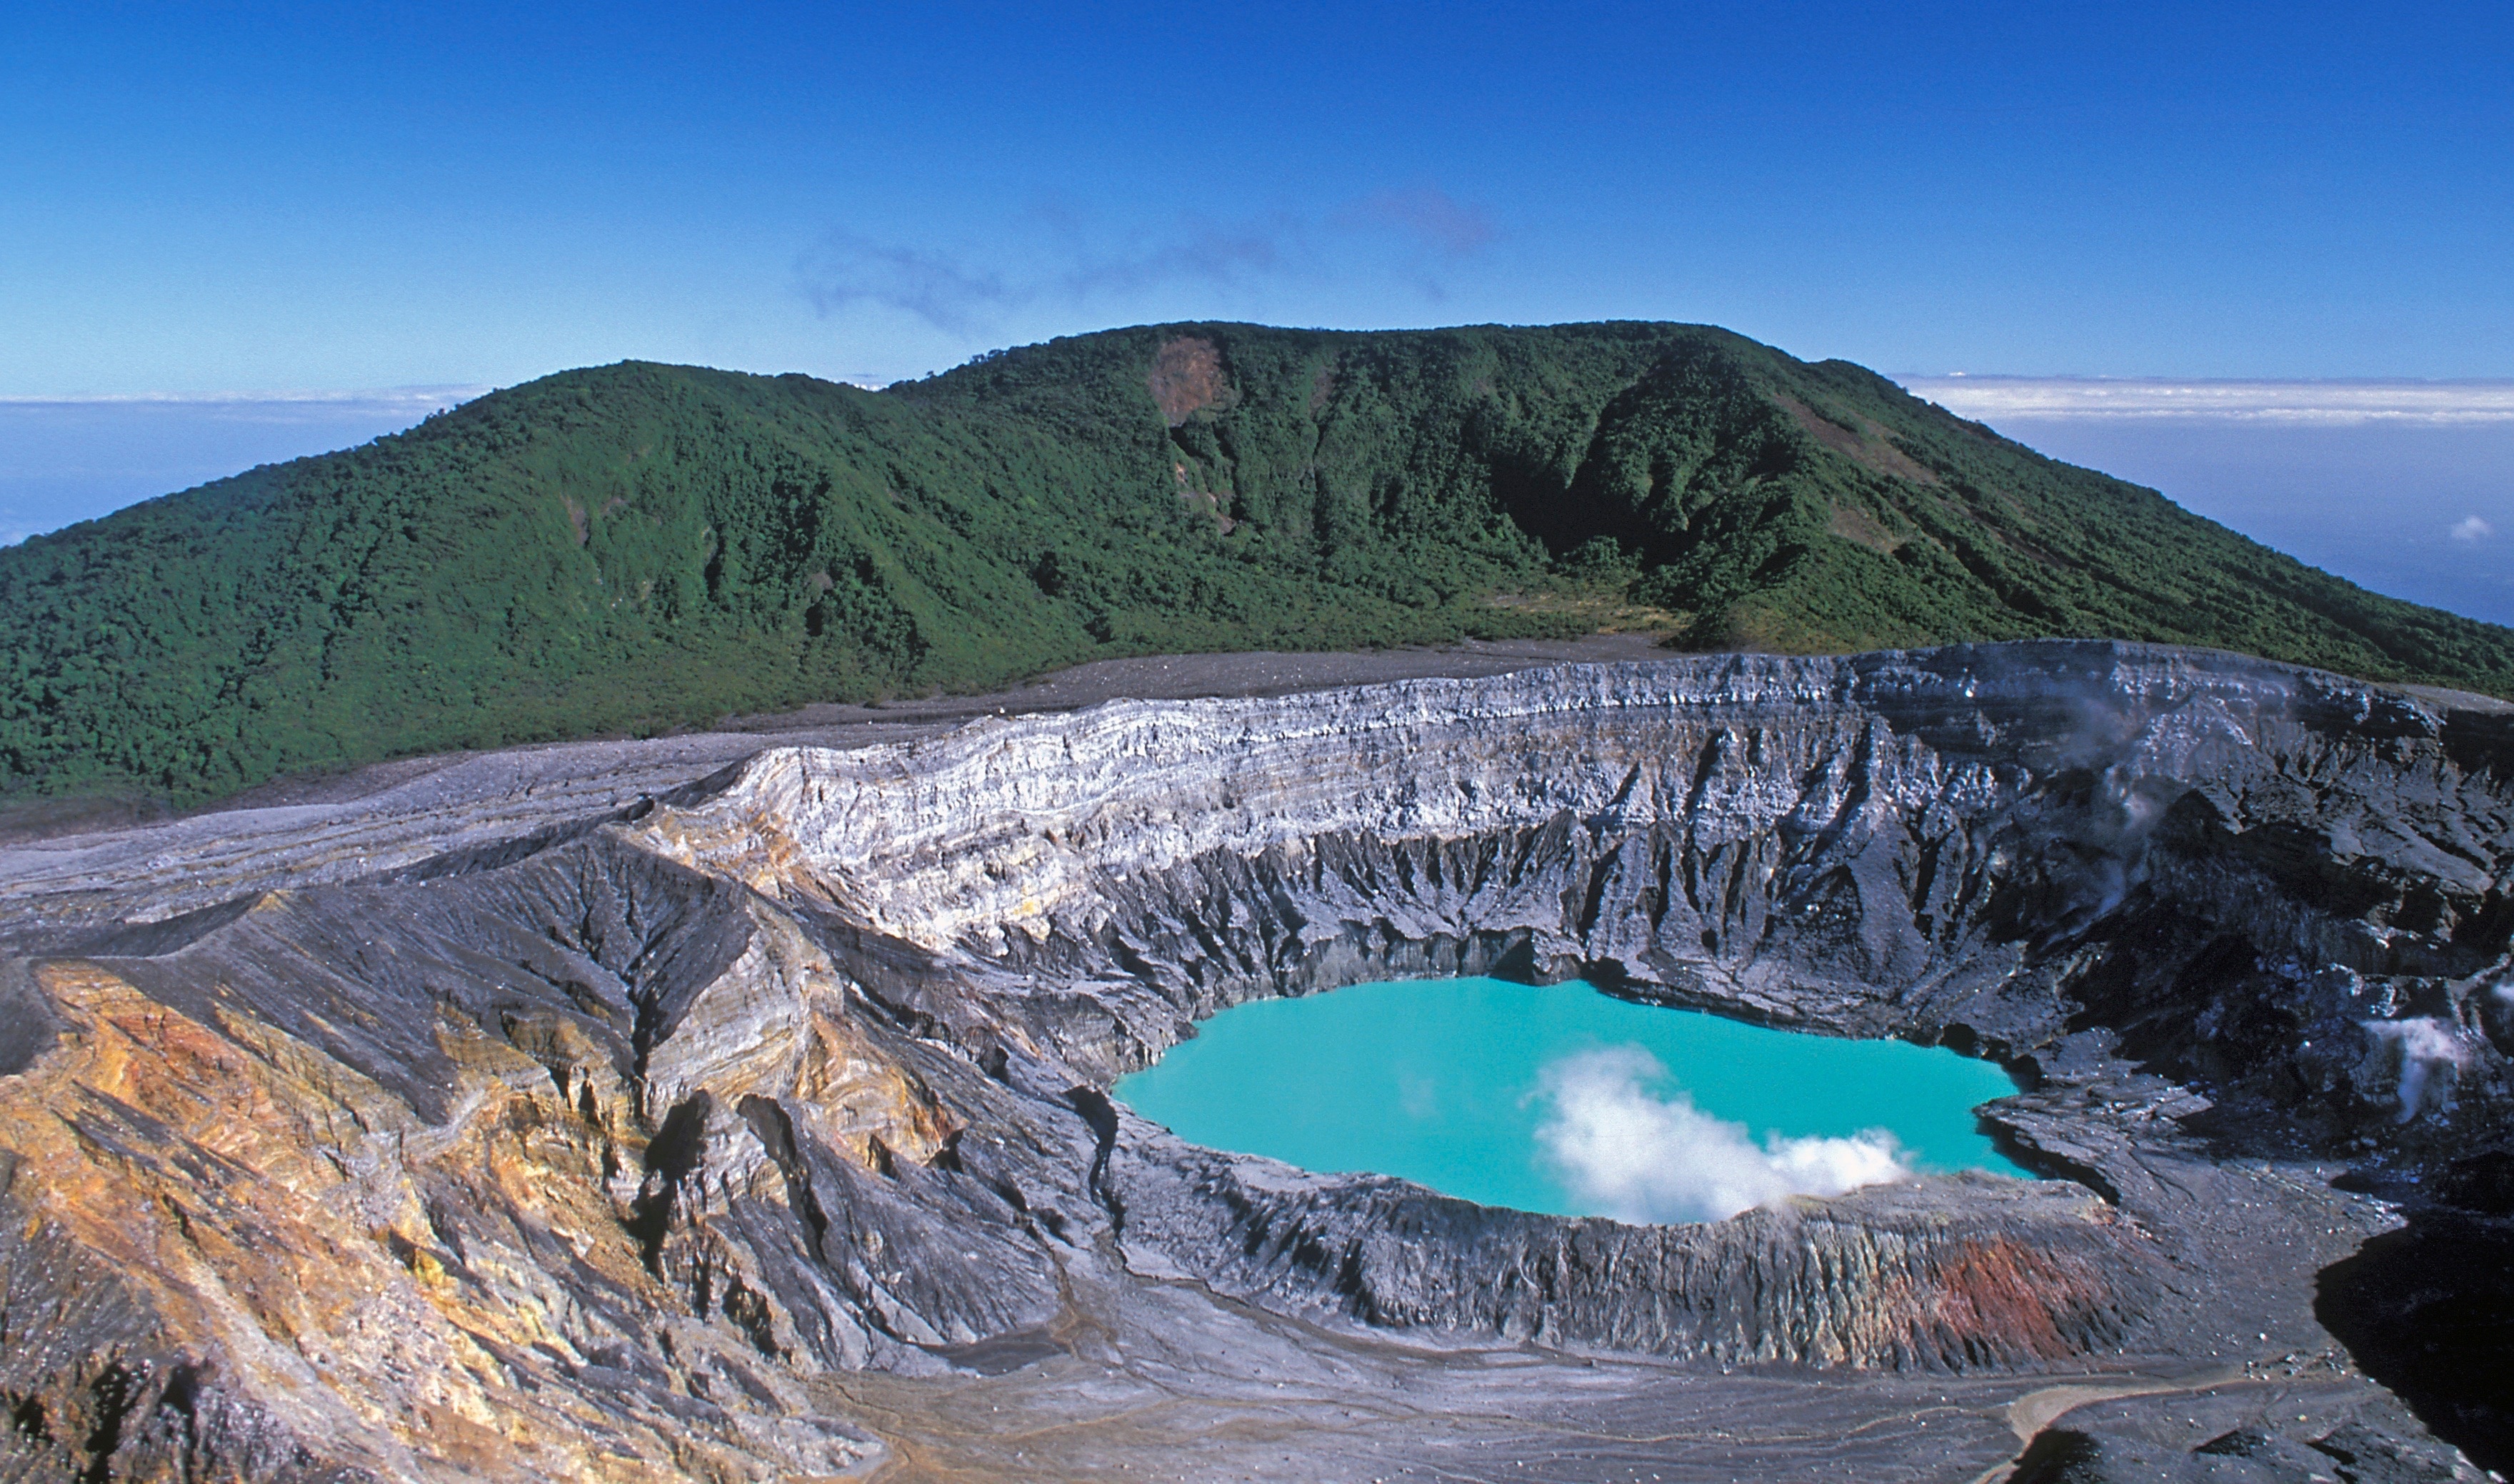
(612, 1144)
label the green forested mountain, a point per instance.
(638, 546)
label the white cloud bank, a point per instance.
(1998, 399)
(1635, 1156)
(411, 403)
(2472, 529)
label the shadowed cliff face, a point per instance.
(618, 1147)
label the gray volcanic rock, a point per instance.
(757, 1127)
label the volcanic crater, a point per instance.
(733, 1108)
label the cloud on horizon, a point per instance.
(413, 402)
(72, 458)
(1996, 398)
(966, 293)
(1623, 1151)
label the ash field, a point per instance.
(735, 1106)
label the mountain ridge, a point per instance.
(635, 547)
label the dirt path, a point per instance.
(2030, 1414)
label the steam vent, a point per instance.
(685, 1110)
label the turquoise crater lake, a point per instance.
(1557, 1097)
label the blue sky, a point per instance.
(212, 197)
(218, 199)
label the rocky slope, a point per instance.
(757, 1127)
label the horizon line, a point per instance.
(1968, 393)
(2236, 399)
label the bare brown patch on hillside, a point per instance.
(1187, 376)
(1763, 628)
(1871, 451)
(1601, 614)
(1323, 387)
(1852, 524)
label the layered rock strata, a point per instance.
(737, 1133)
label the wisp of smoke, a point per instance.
(846, 269)
(1437, 221)
(2427, 1045)
(964, 296)
(1632, 1155)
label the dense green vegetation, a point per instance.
(641, 547)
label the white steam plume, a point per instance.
(1637, 1157)
(2427, 1047)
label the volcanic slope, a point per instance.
(639, 546)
